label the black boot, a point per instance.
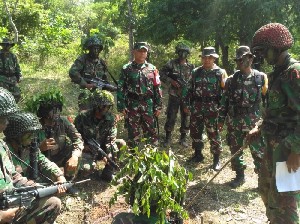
(168, 139)
(216, 162)
(198, 156)
(238, 180)
(183, 141)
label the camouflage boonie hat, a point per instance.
(6, 41)
(92, 41)
(209, 51)
(102, 97)
(140, 45)
(182, 47)
(273, 35)
(21, 123)
(242, 51)
(8, 104)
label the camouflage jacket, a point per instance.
(183, 71)
(205, 87)
(283, 104)
(65, 134)
(9, 66)
(104, 131)
(139, 81)
(45, 166)
(242, 95)
(86, 68)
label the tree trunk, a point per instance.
(11, 22)
(130, 28)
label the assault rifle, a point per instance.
(102, 84)
(176, 77)
(49, 132)
(24, 196)
(96, 150)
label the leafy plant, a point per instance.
(152, 180)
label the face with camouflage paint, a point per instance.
(94, 51)
(182, 54)
(26, 139)
(102, 110)
(271, 55)
(244, 62)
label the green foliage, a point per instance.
(48, 97)
(152, 179)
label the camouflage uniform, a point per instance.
(280, 126)
(86, 67)
(10, 72)
(175, 102)
(139, 93)
(69, 143)
(204, 93)
(40, 211)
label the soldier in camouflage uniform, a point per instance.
(280, 126)
(10, 72)
(139, 96)
(175, 74)
(99, 123)
(204, 92)
(241, 104)
(88, 66)
(40, 211)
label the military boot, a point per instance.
(182, 140)
(216, 162)
(198, 156)
(238, 180)
(168, 139)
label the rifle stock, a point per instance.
(102, 84)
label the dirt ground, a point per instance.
(218, 203)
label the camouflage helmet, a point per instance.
(8, 104)
(21, 123)
(102, 97)
(182, 47)
(92, 41)
(273, 35)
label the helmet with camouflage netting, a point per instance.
(21, 123)
(102, 98)
(92, 41)
(274, 35)
(182, 47)
(8, 104)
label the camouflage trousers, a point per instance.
(138, 119)
(209, 120)
(44, 210)
(281, 207)
(174, 104)
(13, 89)
(237, 130)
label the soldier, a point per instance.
(60, 141)
(88, 66)
(241, 104)
(280, 126)
(40, 211)
(139, 96)
(99, 123)
(176, 73)
(204, 92)
(10, 72)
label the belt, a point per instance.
(206, 99)
(139, 97)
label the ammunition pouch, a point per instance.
(138, 97)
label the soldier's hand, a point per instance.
(48, 144)
(105, 158)
(253, 135)
(124, 112)
(220, 126)
(156, 113)
(90, 86)
(175, 84)
(72, 163)
(186, 110)
(61, 189)
(293, 162)
(8, 215)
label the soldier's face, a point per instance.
(95, 51)
(140, 55)
(26, 139)
(54, 114)
(3, 123)
(271, 55)
(183, 54)
(6, 47)
(208, 62)
(244, 62)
